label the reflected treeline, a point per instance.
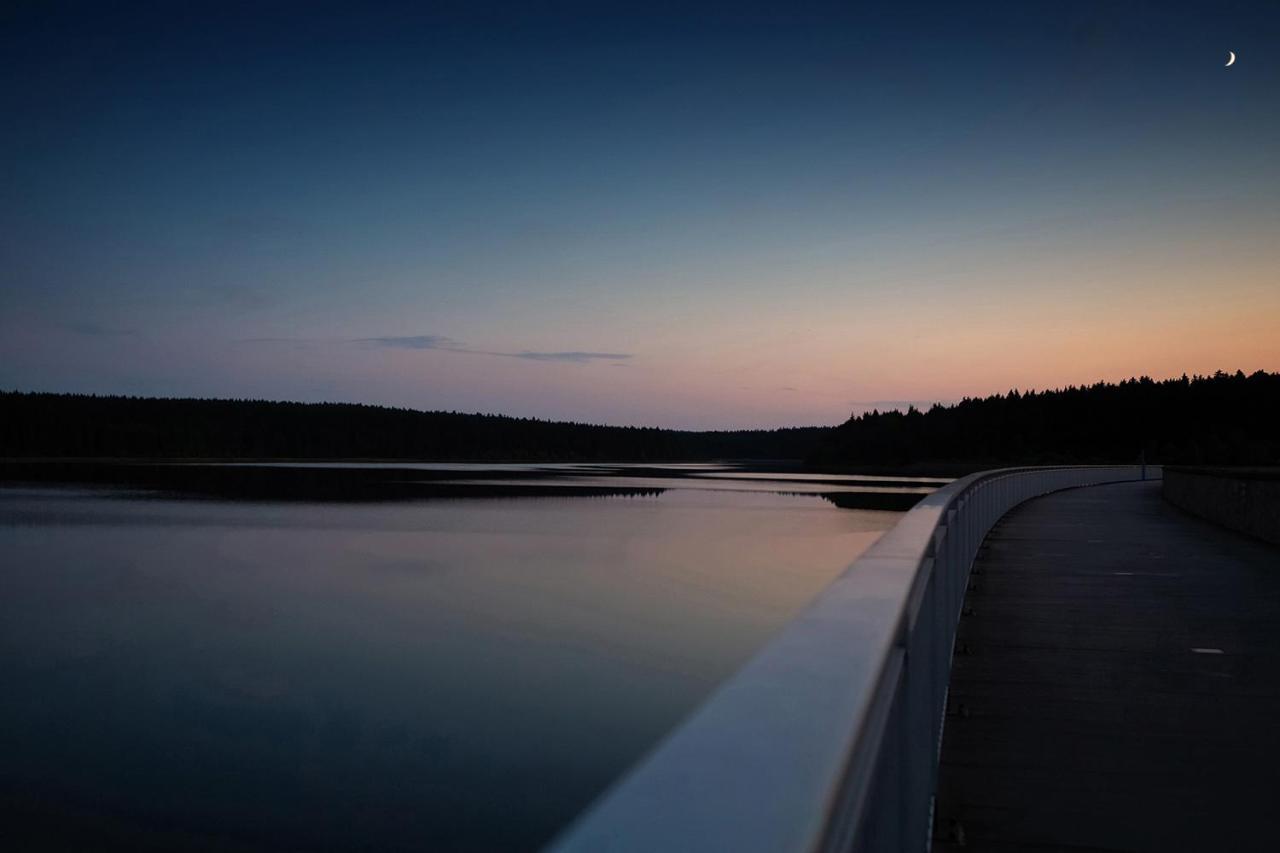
(304, 483)
(1227, 419)
(76, 425)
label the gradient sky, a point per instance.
(719, 216)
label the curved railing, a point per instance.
(828, 739)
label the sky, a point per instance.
(686, 215)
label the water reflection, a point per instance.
(448, 674)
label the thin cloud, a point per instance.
(441, 342)
(383, 342)
(298, 341)
(410, 342)
(575, 356)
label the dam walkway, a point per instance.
(1115, 683)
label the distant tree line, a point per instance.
(78, 425)
(1226, 419)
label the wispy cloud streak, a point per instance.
(441, 342)
(575, 356)
(411, 342)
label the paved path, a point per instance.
(1116, 685)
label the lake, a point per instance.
(447, 657)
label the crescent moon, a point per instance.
(1231, 59)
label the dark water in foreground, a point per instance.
(450, 673)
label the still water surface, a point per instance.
(447, 674)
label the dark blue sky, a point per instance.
(725, 215)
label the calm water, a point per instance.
(426, 674)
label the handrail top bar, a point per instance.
(761, 765)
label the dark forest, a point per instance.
(1224, 419)
(83, 426)
(1218, 419)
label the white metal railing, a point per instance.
(828, 739)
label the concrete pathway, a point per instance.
(1116, 685)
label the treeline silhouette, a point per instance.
(1225, 419)
(78, 425)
